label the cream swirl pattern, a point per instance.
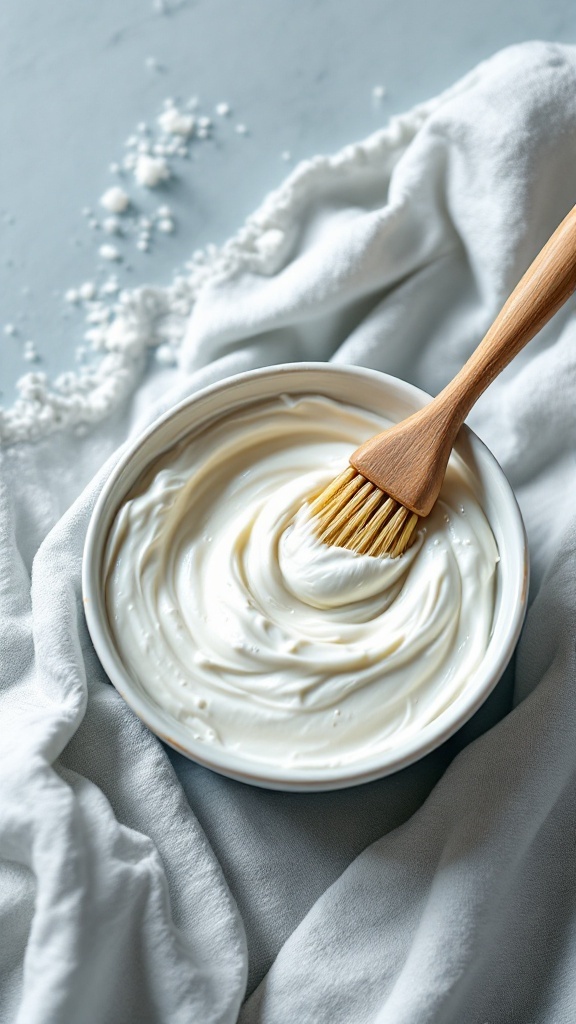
(227, 610)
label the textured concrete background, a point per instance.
(74, 84)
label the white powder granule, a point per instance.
(98, 312)
(378, 92)
(166, 225)
(87, 291)
(124, 325)
(223, 109)
(112, 225)
(72, 296)
(241, 129)
(10, 330)
(173, 122)
(150, 149)
(151, 171)
(115, 200)
(109, 252)
(286, 155)
(33, 384)
(30, 353)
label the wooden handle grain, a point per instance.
(408, 461)
(546, 285)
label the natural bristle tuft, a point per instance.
(351, 512)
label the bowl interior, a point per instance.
(377, 393)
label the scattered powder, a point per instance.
(174, 122)
(30, 353)
(115, 200)
(124, 325)
(87, 290)
(121, 327)
(112, 225)
(150, 171)
(109, 252)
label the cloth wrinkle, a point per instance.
(136, 886)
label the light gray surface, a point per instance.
(74, 84)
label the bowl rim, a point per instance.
(172, 732)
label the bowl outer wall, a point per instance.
(379, 393)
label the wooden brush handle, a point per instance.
(546, 285)
(409, 461)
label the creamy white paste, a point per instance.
(235, 619)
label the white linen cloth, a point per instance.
(395, 254)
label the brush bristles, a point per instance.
(353, 513)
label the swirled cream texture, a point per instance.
(234, 618)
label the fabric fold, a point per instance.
(119, 891)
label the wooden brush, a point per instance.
(394, 479)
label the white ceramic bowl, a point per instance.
(377, 393)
